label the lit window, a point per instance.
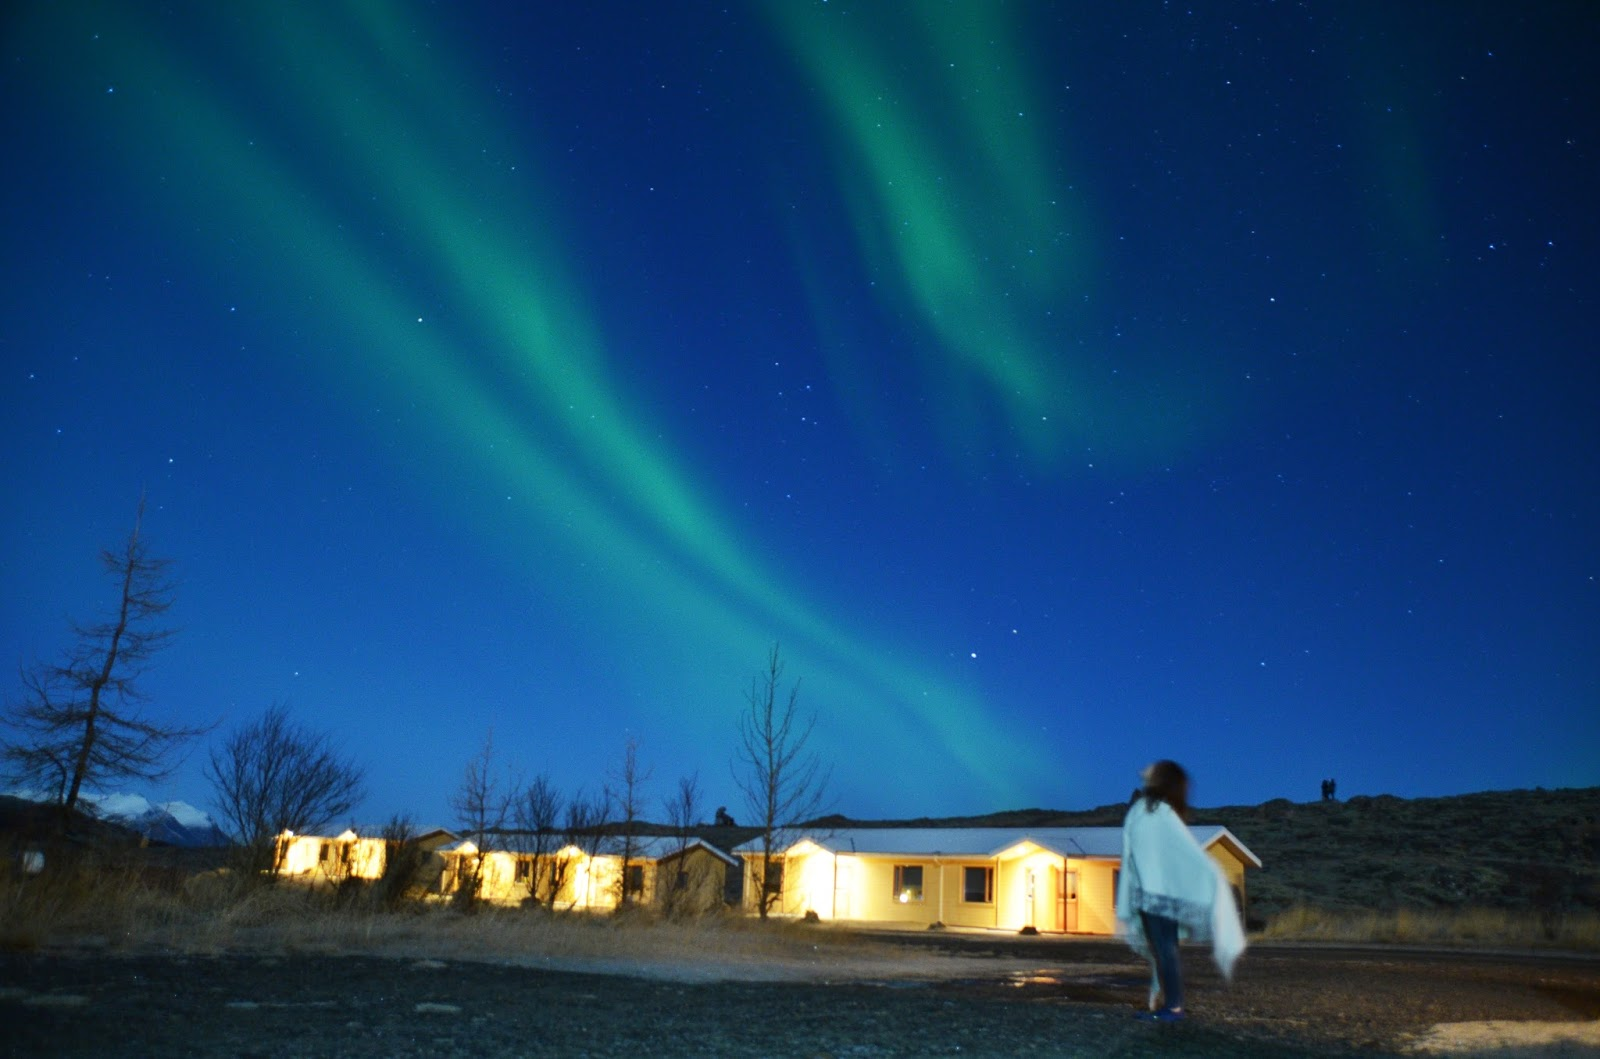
(977, 885)
(907, 883)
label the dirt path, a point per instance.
(1078, 1000)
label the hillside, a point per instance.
(1530, 850)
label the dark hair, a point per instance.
(1166, 781)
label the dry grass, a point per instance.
(1490, 927)
(78, 897)
(121, 903)
(117, 908)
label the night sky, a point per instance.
(1062, 385)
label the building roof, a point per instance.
(645, 848)
(661, 847)
(369, 830)
(983, 843)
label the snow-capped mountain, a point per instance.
(169, 823)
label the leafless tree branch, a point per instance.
(274, 775)
(783, 783)
(78, 722)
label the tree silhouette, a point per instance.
(783, 783)
(274, 775)
(78, 723)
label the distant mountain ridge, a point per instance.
(174, 823)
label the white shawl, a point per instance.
(1166, 873)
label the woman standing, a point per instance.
(1170, 886)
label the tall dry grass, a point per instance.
(80, 896)
(120, 905)
(105, 905)
(1489, 927)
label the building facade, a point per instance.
(1056, 880)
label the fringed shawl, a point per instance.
(1166, 873)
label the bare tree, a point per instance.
(624, 796)
(783, 783)
(538, 816)
(682, 809)
(403, 859)
(78, 722)
(682, 812)
(274, 775)
(585, 828)
(482, 804)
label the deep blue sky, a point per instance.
(1062, 385)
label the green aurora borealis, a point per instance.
(520, 389)
(1042, 364)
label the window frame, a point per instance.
(988, 884)
(903, 892)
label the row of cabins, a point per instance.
(687, 874)
(1052, 880)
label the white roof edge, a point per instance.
(716, 851)
(1038, 836)
(1233, 838)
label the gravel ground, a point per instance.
(1078, 1000)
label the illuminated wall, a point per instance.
(341, 857)
(1031, 888)
(591, 883)
(1097, 894)
(693, 882)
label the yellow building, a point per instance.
(1059, 880)
(665, 873)
(319, 858)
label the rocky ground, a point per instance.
(1005, 997)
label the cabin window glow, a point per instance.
(907, 883)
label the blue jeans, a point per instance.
(1162, 935)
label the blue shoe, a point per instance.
(1164, 1015)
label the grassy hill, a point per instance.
(1519, 851)
(1534, 851)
